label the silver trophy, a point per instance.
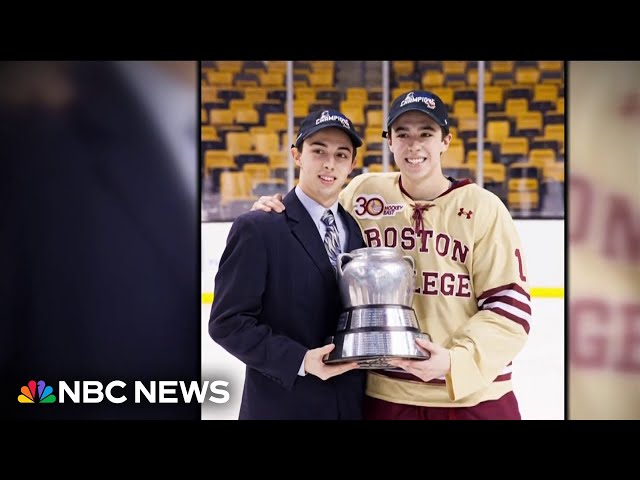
(378, 321)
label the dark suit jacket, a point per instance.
(99, 253)
(275, 297)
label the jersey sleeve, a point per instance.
(484, 347)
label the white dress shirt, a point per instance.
(316, 211)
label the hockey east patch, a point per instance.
(374, 206)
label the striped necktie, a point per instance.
(331, 238)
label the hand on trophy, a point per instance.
(314, 364)
(268, 203)
(438, 364)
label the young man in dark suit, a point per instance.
(276, 298)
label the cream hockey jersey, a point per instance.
(471, 293)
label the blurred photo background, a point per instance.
(98, 232)
(604, 240)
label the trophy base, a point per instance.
(373, 348)
(374, 362)
(374, 334)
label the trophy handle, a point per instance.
(411, 262)
(339, 262)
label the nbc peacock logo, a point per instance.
(38, 392)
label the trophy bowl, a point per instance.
(378, 322)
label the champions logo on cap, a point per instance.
(428, 101)
(325, 117)
(420, 101)
(316, 121)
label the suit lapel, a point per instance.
(306, 232)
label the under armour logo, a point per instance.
(462, 212)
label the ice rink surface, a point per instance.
(538, 371)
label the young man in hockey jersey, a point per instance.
(471, 295)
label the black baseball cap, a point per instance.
(316, 121)
(421, 101)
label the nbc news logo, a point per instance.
(34, 392)
(92, 391)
